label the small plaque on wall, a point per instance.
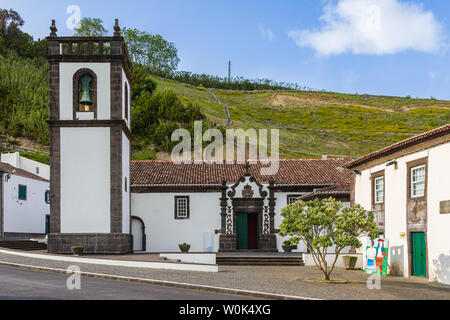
(445, 207)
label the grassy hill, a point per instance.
(311, 123)
(315, 123)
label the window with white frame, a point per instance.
(379, 190)
(181, 207)
(291, 199)
(418, 181)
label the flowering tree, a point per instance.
(322, 225)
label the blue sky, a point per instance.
(388, 47)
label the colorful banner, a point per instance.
(376, 257)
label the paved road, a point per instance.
(24, 285)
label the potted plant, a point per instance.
(350, 262)
(288, 246)
(77, 250)
(184, 247)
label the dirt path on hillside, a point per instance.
(225, 107)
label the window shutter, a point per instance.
(22, 192)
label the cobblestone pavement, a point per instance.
(272, 279)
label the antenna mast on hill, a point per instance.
(229, 71)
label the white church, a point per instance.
(103, 201)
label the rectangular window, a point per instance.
(181, 207)
(418, 182)
(291, 199)
(379, 190)
(37, 170)
(22, 192)
(47, 196)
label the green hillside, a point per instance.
(311, 123)
(315, 123)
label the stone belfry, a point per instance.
(90, 89)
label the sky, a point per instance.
(385, 47)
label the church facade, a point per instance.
(222, 206)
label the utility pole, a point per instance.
(229, 71)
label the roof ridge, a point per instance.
(394, 146)
(20, 172)
(240, 162)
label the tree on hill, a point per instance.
(12, 38)
(323, 227)
(151, 51)
(90, 27)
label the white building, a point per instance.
(221, 207)
(25, 204)
(407, 186)
(16, 160)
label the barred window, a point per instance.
(181, 207)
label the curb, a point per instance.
(119, 263)
(249, 293)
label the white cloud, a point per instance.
(266, 33)
(373, 27)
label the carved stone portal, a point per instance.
(247, 192)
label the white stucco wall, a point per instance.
(125, 191)
(438, 224)
(67, 71)
(438, 184)
(281, 202)
(164, 232)
(85, 180)
(24, 216)
(14, 159)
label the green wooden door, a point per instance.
(47, 224)
(419, 254)
(241, 231)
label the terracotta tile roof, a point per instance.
(432, 134)
(342, 190)
(291, 172)
(7, 168)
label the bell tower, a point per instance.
(90, 86)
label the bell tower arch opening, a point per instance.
(84, 93)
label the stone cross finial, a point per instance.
(117, 29)
(53, 29)
(247, 168)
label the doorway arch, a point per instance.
(138, 232)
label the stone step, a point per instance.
(24, 245)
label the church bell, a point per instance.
(86, 89)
